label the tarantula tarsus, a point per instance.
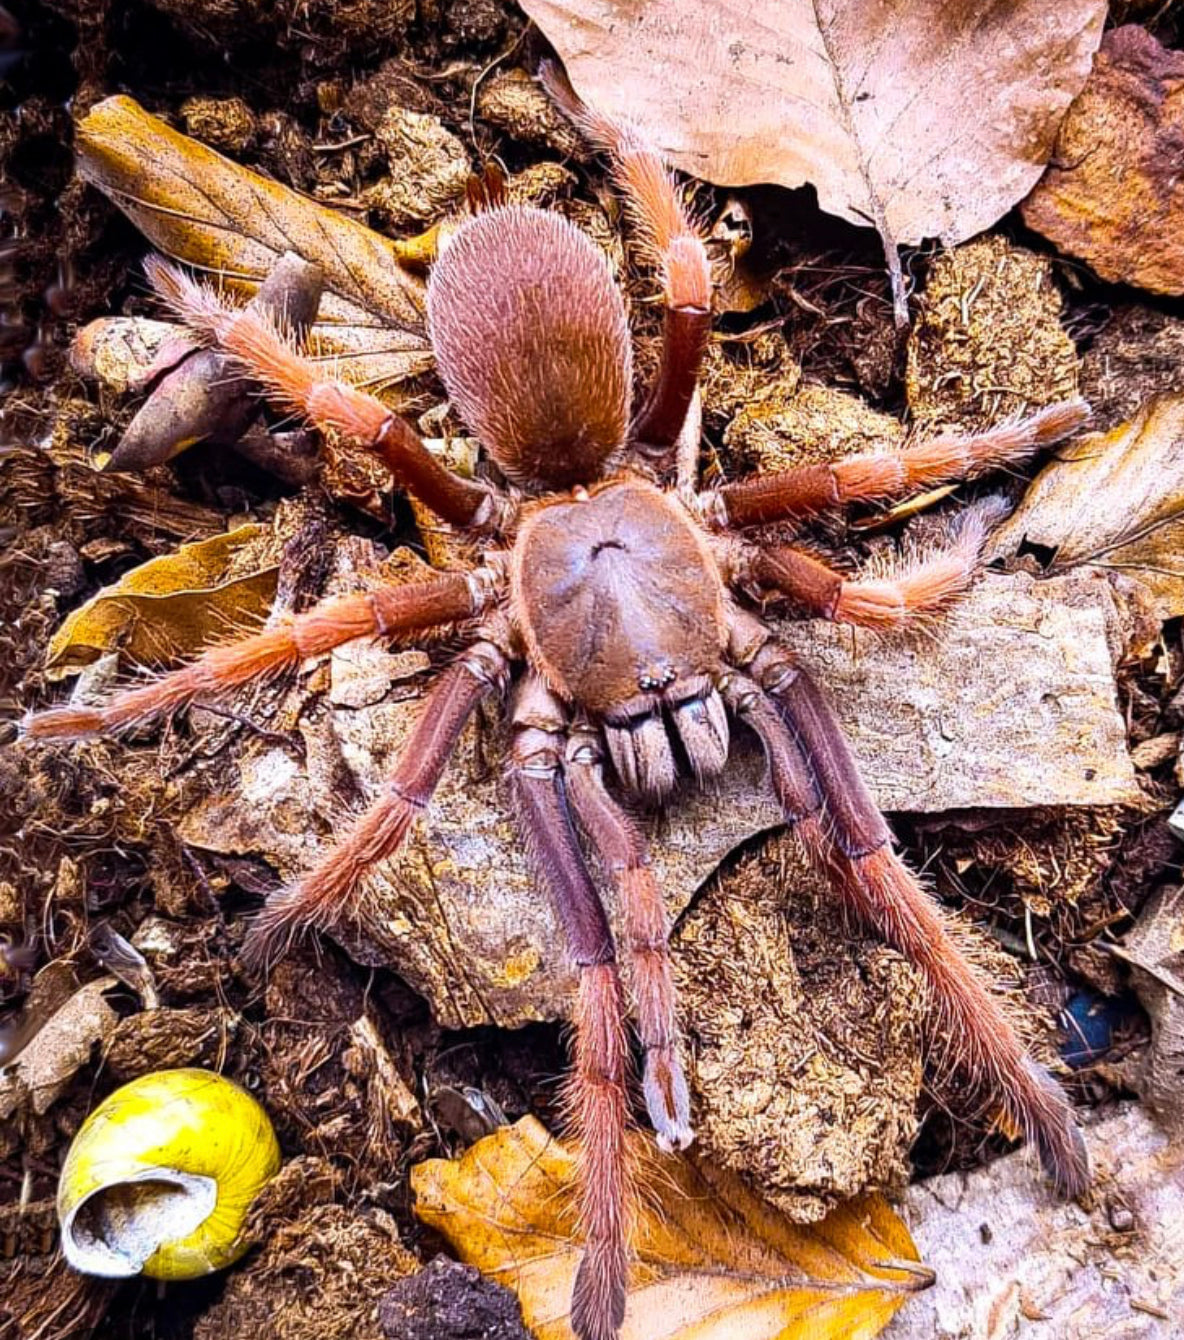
(621, 611)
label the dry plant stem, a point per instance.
(329, 892)
(268, 356)
(393, 612)
(823, 795)
(597, 1097)
(872, 478)
(622, 849)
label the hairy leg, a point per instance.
(393, 611)
(924, 585)
(675, 244)
(300, 384)
(623, 849)
(812, 489)
(823, 795)
(329, 892)
(598, 1094)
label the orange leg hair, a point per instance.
(623, 850)
(300, 384)
(392, 611)
(330, 891)
(598, 1092)
(675, 244)
(825, 800)
(926, 585)
(812, 489)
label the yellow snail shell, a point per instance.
(159, 1179)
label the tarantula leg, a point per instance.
(666, 228)
(391, 611)
(598, 1093)
(299, 383)
(329, 892)
(623, 850)
(810, 489)
(925, 585)
(855, 847)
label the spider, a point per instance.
(619, 606)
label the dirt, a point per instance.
(383, 110)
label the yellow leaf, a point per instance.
(712, 1261)
(172, 606)
(211, 213)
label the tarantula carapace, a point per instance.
(616, 602)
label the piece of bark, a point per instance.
(1154, 950)
(1114, 194)
(1012, 1259)
(1013, 705)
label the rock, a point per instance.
(448, 1299)
(1012, 1259)
(1113, 194)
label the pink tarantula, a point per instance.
(615, 603)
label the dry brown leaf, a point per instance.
(211, 213)
(1114, 500)
(924, 120)
(1114, 194)
(57, 1050)
(712, 1261)
(171, 606)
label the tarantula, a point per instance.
(620, 609)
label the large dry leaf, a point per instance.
(1115, 500)
(712, 1261)
(927, 119)
(211, 213)
(172, 606)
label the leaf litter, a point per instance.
(305, 1249)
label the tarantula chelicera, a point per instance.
(617, 601)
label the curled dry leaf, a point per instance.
(53, 1051)
(172, 606)
(1114, 500)
(211, 213)
(924, 120)
(712, 1261)
(1154, 950)
(1114, 194)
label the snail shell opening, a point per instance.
(118, 1228)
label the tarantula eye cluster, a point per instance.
(614, 605)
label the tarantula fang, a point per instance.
(620, 610)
